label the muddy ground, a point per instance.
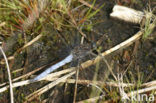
(139, 58)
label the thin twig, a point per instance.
(9, 76)
(75, 90)
(25, 46)
(115, 48)
(109, 68)
(17, 70)
(99, 83)
(96, 86)
(91, 100)
(23, 76)
(140, 91)
(50, 77)
(9, 58)
(87, 4)
(30, 43)
(55, 76)
(47, 87)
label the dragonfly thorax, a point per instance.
(81, 51)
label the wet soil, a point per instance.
(109, 31)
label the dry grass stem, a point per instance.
(99, 83)
(56, 74)
(87, 4)
(18, 70)
(144, 90)
(117, 47)
(23, 76)
(30, 43)
(82, 82)
(91, 100)
(9, 76)
(149, 84)
(47, 87)
(50, 77)
(18, 84)
(9, 58)
(109, 68)
(75, 90)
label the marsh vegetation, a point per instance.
(36, 34)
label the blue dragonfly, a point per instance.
(77, 53)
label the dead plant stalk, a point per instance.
(9, 76)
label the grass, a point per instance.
(30, 18)
(25, 15)
(34, 17)
(150, 22)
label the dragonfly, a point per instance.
(79, 52)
